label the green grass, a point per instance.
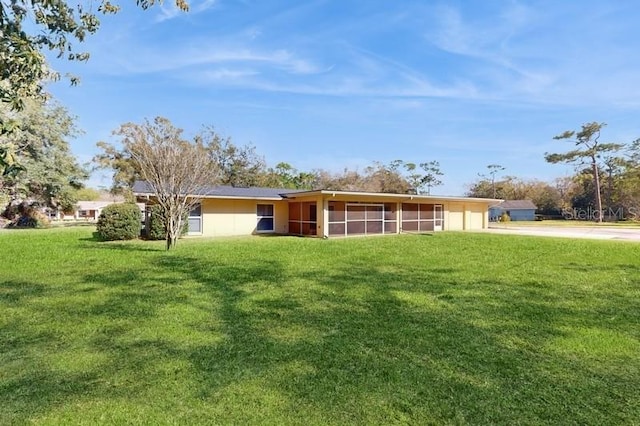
(452, 328)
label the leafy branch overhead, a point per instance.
(30, 27)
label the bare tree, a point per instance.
(178, 171)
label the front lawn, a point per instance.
(452, 328)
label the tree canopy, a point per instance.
(589, 149)
(40, 144)
(28, 28)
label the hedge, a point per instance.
(119, 222)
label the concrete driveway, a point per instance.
(593, 232)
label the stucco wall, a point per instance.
(454, 216)
(225, 217)
(238, 217)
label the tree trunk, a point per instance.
(174, 228)
(596, 180)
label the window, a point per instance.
(195, 220)
(265, 218)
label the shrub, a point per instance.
(156, 228)
(119, 222)
(505, 217)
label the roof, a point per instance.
(97, 205)
(143, 188)
(223, 191)
(391, 195)
(516, 205)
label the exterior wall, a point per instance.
(465, 216)
(454, 216)
(515, 215)
(226, 217)
(522, 214)
(476, 220)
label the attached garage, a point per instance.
(476, 219)
(455, 216)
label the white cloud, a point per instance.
(169, 10)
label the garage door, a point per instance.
(456, 217)
(476, 220)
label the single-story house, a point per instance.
(227, 211)
(517, 210)
(86, 210)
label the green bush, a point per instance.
(505, 217)
(119, 222)
(156, 228)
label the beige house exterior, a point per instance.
(228, 211)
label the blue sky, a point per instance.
(334, 84)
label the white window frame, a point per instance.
(272, 217)
(189, 232)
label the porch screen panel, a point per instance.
(302, 218)
(426, 211)
(390, 218)
(294, 228)
(390, 228)
(374, 227)
(294, 212)
(362, 219)
(336, 211)
(356, 212)
(356, 227)
(374, 219)
(410, 226)
(365, 219)
(426, 225)
(409, 211)
(421, 217)
(337, 218)
(356, 216)
(337, 228)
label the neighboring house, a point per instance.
(517, 210)
(87, 210)
(226, 210)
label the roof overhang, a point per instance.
(215, 197)
(389, 196)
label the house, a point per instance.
(86, 210)
(516, 209)
(226, 211)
